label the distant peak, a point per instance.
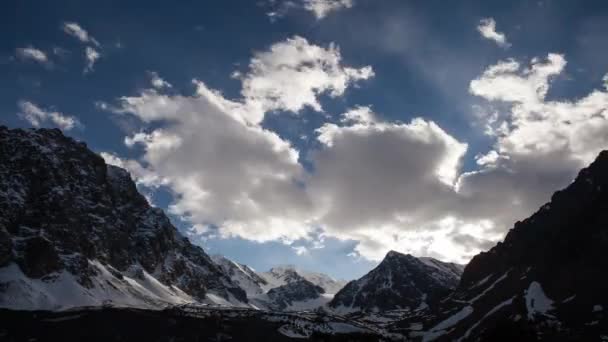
(395, 254)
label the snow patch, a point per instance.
(537, 301)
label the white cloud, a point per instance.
(37, 116)
(223, 167)
(540, 145)
(387, 185)
(321, 8)
(487, 28)
(33, 54)
(300, 250)
(91, 56)
(140, 174)
(157, 81)
(75, 30)
(293, 73)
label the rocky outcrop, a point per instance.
(65, 214)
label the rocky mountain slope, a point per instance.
(75, 231)
(243, 275)
(282, 288)
(398, 282)
(547, 281)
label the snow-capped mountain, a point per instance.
(546, 281)
(282, 288)
(399, 282)
(281, 275)
(75, 232)
(242, 275)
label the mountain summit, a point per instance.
(400, 281)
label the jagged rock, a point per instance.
(295, 291)
(65, 214)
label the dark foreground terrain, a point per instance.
(176, 324)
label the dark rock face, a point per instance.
(61, 207)
(294, 291)
(398, 282)
(547, 281)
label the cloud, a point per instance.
(91, 56)
(293, 73)
(37, 116)
(540, 144)
(387, 185)
(32, 54)
(487, 28)
(157, 81)
(381, 182)
(319, 8)
(75, 30)
(224, 168)
(141, 175)
(300, 250)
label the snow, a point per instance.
(568, 299)
(441, 328)
(62, 291)
(489, 288)
(489, 313)
(281, 275)
(536, 301)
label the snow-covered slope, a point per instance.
(398, 282)
(242, 275)
(75, 231)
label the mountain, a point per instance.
(282, 288)
(243, 275)
(75, 232)
(398, 282)
(547, 281)
(281, 275)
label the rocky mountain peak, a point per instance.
(400, 281)
(67, 217)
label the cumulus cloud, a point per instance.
(224, 168)
(487, 28)
(319, 8)
(91, 56)
(541, 143)
(387, 185)
(38, 116)
(293, 73)
(75, 30)
(32, 54)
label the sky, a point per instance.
(321, 133)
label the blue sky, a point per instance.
(489, 147)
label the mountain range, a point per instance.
(75, 233)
